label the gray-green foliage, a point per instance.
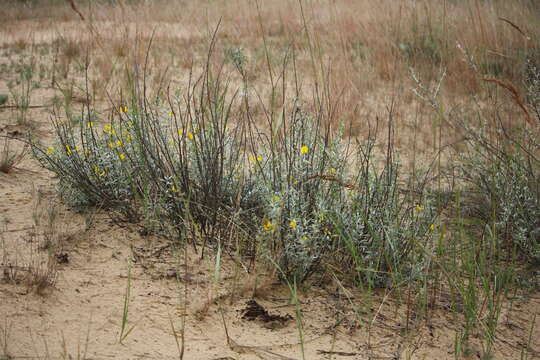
(305, 195)
(21, 88)
(92, 164)
(505, 173)
(299, 174)
(329, 202)
(533, 86)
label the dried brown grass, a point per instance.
(10, 158)
(360, 51)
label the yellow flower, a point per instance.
(419, 207)
(174, 189)
(171, 113)
(432, 227)
(190, 136)
(50, 150)
(268, 226)
(99, 172)
(77, 148)
(304, 149)
(304, 238)
(276, 198)
(293, 224)
(119, 143)
(109, 129)
(123, 109)
(89, 124)
(180, 132)
(255, 158)
(111, 145)
(68, 150)
(122, 156)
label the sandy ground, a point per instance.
(80, 314)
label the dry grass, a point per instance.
(358, 52)
(35, 260)
(375, 38)
(10, 158)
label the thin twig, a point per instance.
(514, 93)
(75, 9)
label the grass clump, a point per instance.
(198, 165)
(332, 203)
(9, 158)
(505, 182)
(502, 167)
(21, 89)
(93, 165)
